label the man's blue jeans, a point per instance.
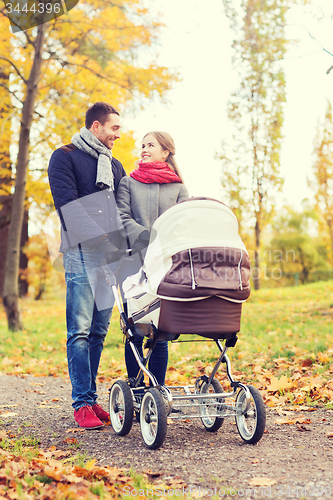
(87, 324)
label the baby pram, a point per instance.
(194, 280)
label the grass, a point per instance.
(292, 323)
(24, 446)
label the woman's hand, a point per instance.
(109, 250)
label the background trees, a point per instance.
(54, 73)
(251, 160)
(296, 251)
(323, 176)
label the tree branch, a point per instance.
(11, 92)
(15, 67)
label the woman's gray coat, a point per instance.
(140, 204)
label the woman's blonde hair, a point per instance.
(167, 143)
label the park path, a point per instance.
(291, 461)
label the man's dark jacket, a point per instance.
(86, 211)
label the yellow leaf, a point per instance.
(279, 384)
(90, 464)
(323, 357)
(298, 420)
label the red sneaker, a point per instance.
(100, 413)
(87, 419)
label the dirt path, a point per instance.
(296, 458)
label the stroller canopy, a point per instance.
(195, 252)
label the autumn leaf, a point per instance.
(307, 362)
(302, 428)
(90, 464)
(151, 474)
(70, 441)
(287, 421)
(262, 481)
(279, 384)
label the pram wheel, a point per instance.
(211, 424)
(121, 408)
(251, 424)
(153, 418)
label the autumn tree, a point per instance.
(99, 51)
(5, 164)
(294, 247)
(322, 184)
(251, 158)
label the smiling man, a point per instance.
(84, 178)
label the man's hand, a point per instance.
(109, 250)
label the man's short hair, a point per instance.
(100, 112)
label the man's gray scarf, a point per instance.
(86, 141)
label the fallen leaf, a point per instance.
(302, 428)
(53, 474)
(262, 481)
(279, 384)
(302, 408)
(91, 463)
(152, 474)
(70, 441)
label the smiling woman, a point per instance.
(150, 190)
(152, 150)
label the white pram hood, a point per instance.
(197, 223)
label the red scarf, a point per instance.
(154, 172)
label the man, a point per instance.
(84, 178)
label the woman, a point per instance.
(152, 188)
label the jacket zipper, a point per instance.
(194, 284)
(239, 272)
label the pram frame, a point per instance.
(163, 400)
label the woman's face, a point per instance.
(152, 150)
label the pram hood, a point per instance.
(195, 252)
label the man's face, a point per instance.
(108, 132)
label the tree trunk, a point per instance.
(256, 274)
(23, 266)
(5, 211)
(4, 226)
(6, 180)
(11, 289)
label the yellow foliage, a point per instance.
(95, 53)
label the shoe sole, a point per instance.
(91, 428)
